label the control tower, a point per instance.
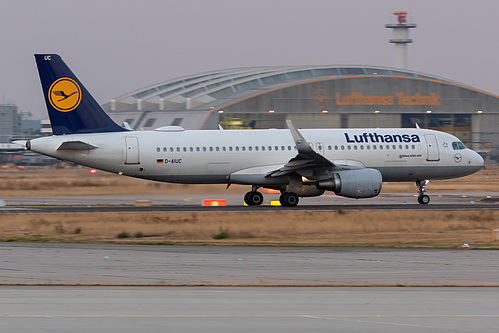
(401, 38)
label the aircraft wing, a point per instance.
(307, 160)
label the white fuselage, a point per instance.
(239, 156)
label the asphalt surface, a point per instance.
(240, 265)
(224, 310)
(169, 203)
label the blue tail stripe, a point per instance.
(78, 111)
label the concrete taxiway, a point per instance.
(203, 309)
(113, 308)
(220, 265)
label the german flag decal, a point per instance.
(159, 160)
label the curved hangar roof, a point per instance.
(215, 90)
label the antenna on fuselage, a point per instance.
(417, 126)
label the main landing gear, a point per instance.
(422, 198)
(289, 199)
(255, 198)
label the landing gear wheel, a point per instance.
(253, 198)
(289, 199)
(424, 199)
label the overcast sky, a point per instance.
(115, 47)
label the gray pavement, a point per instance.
(224, 310)
(129, 264)
(233, 199)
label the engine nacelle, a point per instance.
(361, 183)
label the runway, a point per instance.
(221, 310)
(169, 203)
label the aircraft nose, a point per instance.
(475, 160)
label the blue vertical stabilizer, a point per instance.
(70, 106)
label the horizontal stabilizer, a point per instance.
(76, 145)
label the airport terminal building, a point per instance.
(315, 97)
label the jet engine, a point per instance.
(361, 183)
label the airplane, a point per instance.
(298, 162)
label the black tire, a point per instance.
(253, 198)
(424, 199)
(289, 199)
(246, 199)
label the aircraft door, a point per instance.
(132, 150)
(320, 148)
(432, 148)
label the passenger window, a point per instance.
(329, 147)
(217, 148)
(164, 149)
(380, 147)
(368, 147)
(374, 147)
(283, 148)
(250, 148)
(355, 147)
(342, 147)
(263, 148)
(230, 148)
(171, 149)
(158, 149)
(178, 149)
(361, 147)
(211, 148)
(349, 147)
(270, 148)
(243, 148)
(400, 147)
(387, 147)
(256, 148)
(407, 147)
(197, 149)
(204, 148)
(184, 149)
(223, 148)
(276, 148)
(394, 147)
(289, 147)
(191, 149)
(335, 147)
(237, 148)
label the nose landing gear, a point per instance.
(422, 198)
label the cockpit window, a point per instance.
(458, 145)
